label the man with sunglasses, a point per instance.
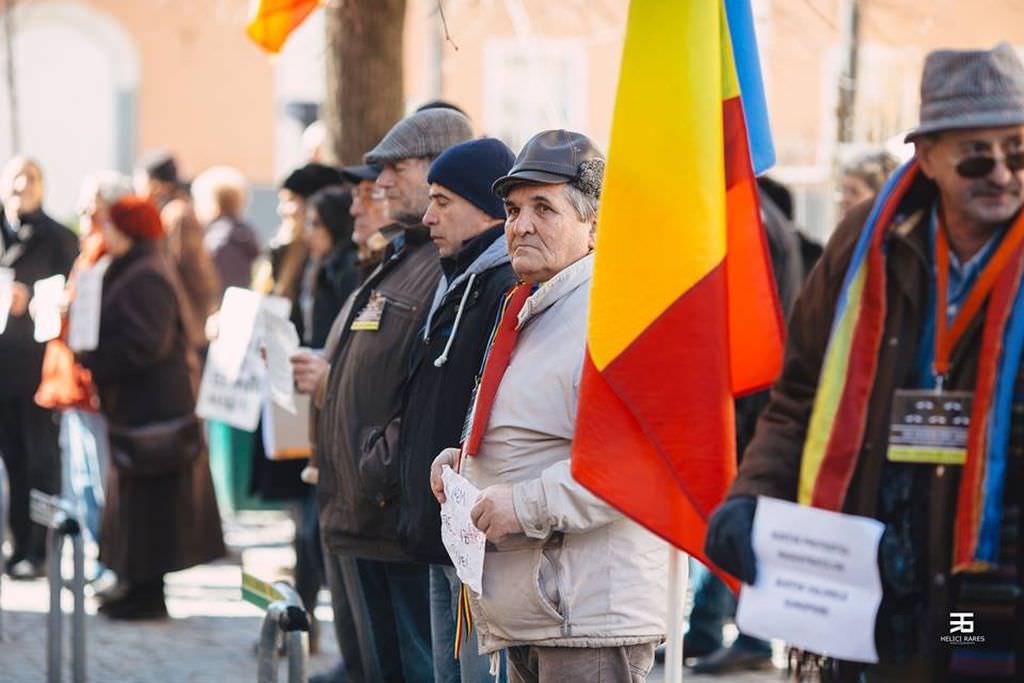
(915, 315)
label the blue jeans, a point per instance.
(470, 667)
(713, 604)
(84, 450)
(397, 596)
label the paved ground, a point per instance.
(211, 635)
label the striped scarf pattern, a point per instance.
(839, 416)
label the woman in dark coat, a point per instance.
(331, 274)
(146, 375)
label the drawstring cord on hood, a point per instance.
(443, 358)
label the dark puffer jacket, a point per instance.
(447, 359)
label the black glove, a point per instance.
(728, 543)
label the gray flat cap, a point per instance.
(971, 89)
(423, 134)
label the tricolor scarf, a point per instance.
(847, 379)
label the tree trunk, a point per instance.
(364, 75)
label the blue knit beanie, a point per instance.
(470, 168)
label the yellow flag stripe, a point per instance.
(663, 206)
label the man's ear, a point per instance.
(924, 151)
(592, 236)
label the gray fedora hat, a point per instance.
(971, 89)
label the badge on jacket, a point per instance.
(369, 317)
(930, 427)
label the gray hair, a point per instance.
(109, 186)
(584, 205)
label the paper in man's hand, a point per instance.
(45, 307)
(281, 342)
(817, 586)
(6, 296)
(463, 541)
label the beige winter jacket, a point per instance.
(582, 575)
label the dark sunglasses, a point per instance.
(980, 166)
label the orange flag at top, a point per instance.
(683, 311)
(272, 21)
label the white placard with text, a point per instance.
(818, 586)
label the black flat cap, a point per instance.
(357, 174)
(553, 156)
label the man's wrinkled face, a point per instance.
(22, 188)
(369, 210)
(544, 233)
(978, 172)
(405, 184)
(452, 220)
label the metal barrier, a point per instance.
(5, 492)
(59, 517)
(286, 617)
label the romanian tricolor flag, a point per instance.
(684, 314)
(272, 21)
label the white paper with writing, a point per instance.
(239, 311)
(84, 315)
(817, 586)
(463, 541)
(46, 299)
(236, 402)
(6, 296)
(235, 396)
(281, 341)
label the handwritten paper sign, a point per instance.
(817, 586)
(6, 296)
(234, 402)
(84, 316)
(46, 298)
(281, 341)
(239, 311)
(463, 541)
(235, 377)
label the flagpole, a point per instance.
(678, 575)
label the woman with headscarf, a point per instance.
(161, 514)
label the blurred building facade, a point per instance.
(97, 82)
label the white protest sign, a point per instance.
(84, 316)
(463, 541)
(238, 315)
(234, 402)
(45, 307)
(281, 341)
(817, 586)
(6, 296)
(230, 395)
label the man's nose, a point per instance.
(1001, 173)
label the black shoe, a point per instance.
(140, 602)
(335, 675)
(698, 647)
(730, 659)
(26, 570)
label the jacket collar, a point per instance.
(557, 288)
(468, 256)
(493, 255)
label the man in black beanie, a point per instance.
(466, 221)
